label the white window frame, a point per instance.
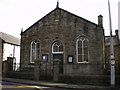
(57, 47)
(31, 47)
(83, 54)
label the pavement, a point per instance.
(60, 85)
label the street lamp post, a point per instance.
(112, 58)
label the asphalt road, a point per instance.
(19, 86)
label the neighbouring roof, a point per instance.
(115, 39)
(107, 40)
(10, 39)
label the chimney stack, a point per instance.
(117, 36)
(100, 20)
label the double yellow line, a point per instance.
(13, 86)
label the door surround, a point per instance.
(58, 53)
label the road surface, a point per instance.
(19, 86)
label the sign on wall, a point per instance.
(70, 59)
(44, 57)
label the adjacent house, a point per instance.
(116, 44)
(9, 49)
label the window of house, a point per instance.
(82, 50)
(57, 47)
(34, 51)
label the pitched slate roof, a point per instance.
(9, 39)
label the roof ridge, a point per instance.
(62, 10)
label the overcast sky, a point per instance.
(17, 14)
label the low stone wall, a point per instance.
(103, 80)
(20, 75)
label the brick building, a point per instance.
(116, 44)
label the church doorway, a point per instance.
(57, 52)
(60, 57)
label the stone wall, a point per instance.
(1, 50)
(117, 58)
(1, 57)
(60, 25)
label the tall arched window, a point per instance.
(57, 47)
(82, 49)
(34, 51)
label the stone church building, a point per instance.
(78, 44)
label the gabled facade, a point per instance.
(77, 42)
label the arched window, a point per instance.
(82, 50)
(34, 51)
(57, 47)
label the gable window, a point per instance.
(34, 51)
(82, 50)
(57, 47)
